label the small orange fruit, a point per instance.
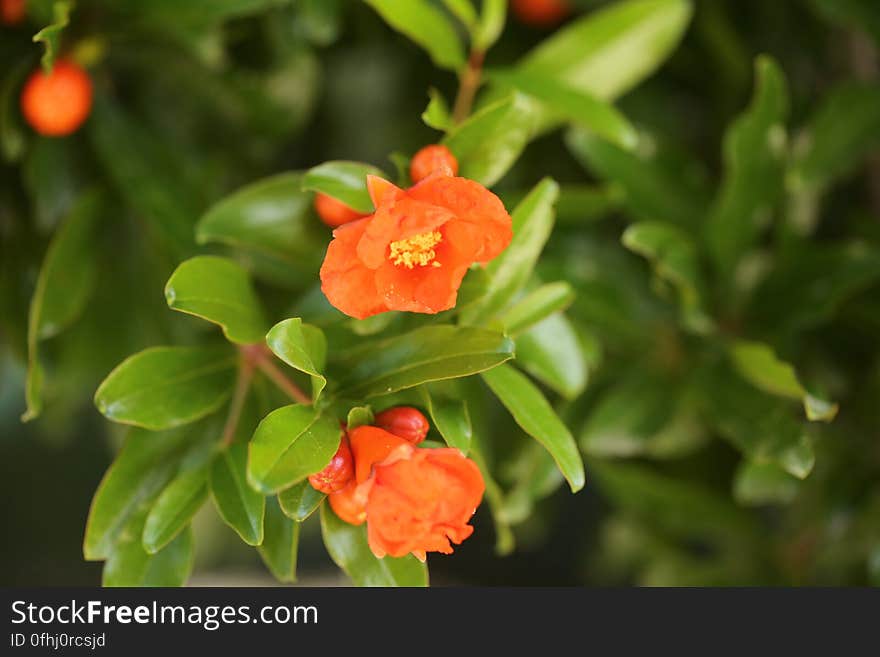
(430, 159)
(57, 103)
(333, 212)
(541, 13)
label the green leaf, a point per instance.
(50, 35)
(272, 215)
(240, 506)
(148, 174)
(673, 256)
(129, 565)
(220, 291)
(509, 272)
(291, 443)
(677, 507)
(761, 427)
(432, 353)
(303, 347)
(344, 181)
(537, 418)
(488, 143)
(760, 366)
(450, 417)
(147, 462)
(609, 52)
(463, 10)
(755, 151)
(551, 352)
(359, 416)
(280, 546)
(300, 501)
(652, 184)
(436, 114)
(174, 508)
(164, 387)
(347, 545)
(757, 484)
(837, 137)
(536, 306)
(66, 280)
(427, 26)
(491, 24)
(598, 116)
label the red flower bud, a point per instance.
(338, 472)
(430, 159)
(58, 103)
(541, 13)
(12, 11)
(404, 421)
(333, 212)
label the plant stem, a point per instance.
(242, 386)
(277, 377)
(469, 82)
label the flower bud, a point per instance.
(431, 159)
(57, 103)
(540, 13)
(338, 473)
(333, 212)
(12, 11)
(405, 422)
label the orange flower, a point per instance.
(413, 500)
(435, 157)
(414, 251)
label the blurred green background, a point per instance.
(187, 111)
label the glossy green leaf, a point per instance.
(536, 417)
(50, 36)
(344, 181)
(291, 443)
(488, 143)
(427, 26)
(608, 52)
(347, 546)
(551, 352)
(580, 107)
(303, 347)
(760, 366)
(509, 272)
(281, 543)
(673, 256)
(240, 506)
(537, 306)
(66, 281)
(432, 353)
(757, 484)
(220, 291)
(300, 501)
(653, 184)
(491, 24)
(450, 417)
(760, 426)
(837, 137)
(164, 387)
(463, 10)
(130, 565)
(755, 152)
(359, 416)
(271, 215)
(436, 114)
(174, 508)
(147, 462)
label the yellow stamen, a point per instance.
(416, 250)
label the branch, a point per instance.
(469, 82)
